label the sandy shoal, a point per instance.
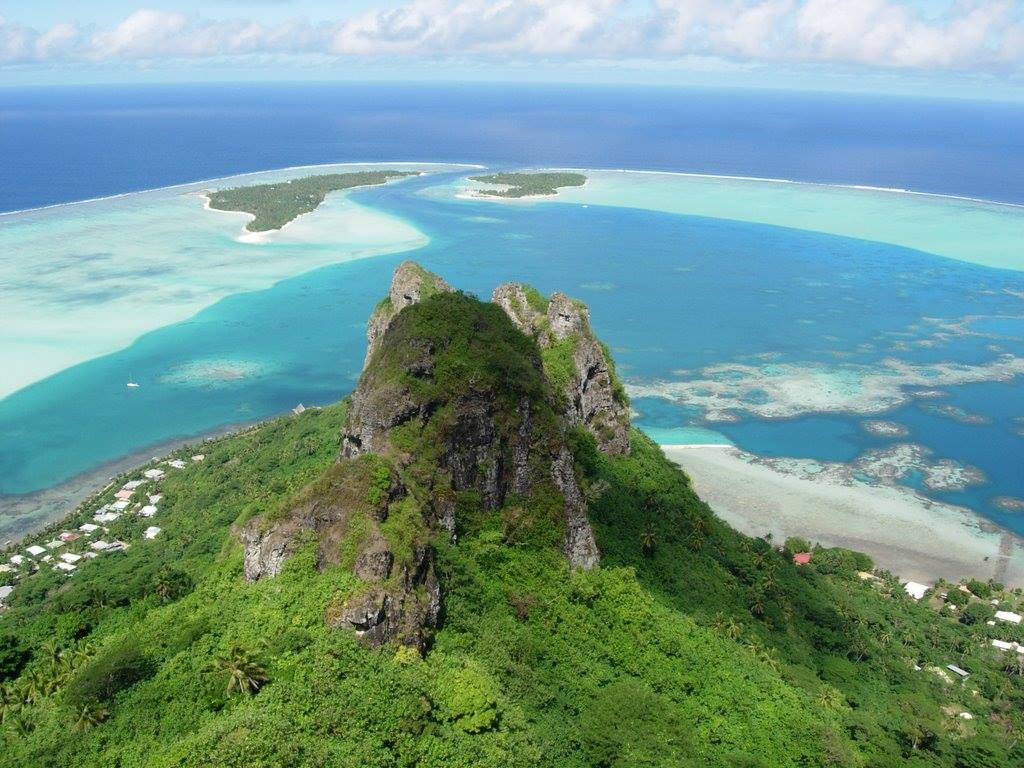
(904, 532)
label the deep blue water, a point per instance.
(62, 144)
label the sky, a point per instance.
(969, 48)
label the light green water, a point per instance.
(84, 280)
(983, 233)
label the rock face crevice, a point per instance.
(592, 396)
(453, 416)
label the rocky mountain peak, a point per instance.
(577, 364)
(454, 428)
(410, 284)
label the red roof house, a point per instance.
(802, 558)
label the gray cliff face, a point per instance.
(590, 395)
(409, 285)
(401, 598)
(406, 611)
(580, 547)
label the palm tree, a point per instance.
(52, 651)
(89, 715)
(648, 540)
(733, 629)
(830, 698)
(245, 673)
(21, 725)
(756, 603)
(10, 705)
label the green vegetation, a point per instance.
(529, 184)
(274, 205)
(691, 645)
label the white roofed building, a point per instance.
(1010, 616)
(916, 590)
(35, 550)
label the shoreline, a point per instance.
(264, 236)
(904, 532)
(38, 509)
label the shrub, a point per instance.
(110, 672)
(627, 724)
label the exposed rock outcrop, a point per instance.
(453, 423)
(410, 284)
(575, 361)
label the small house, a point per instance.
(1003, 645)
(198, 457)
(147, 511)
(957, 670)
(131, 485)
(55, 544)
(69, 536)
(1010, 616)
(5, 592)
(100, 545)
(17, 559)
(35, 550)
(155, 498)
(802, 558)
(87, 528)
(151, 532)
(107, 517)
(124, 495)
(66, 567)
(915, 590)
(119, 506)
(70, 557)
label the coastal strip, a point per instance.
(24, 514)
(903, 532)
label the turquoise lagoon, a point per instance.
(865, 305)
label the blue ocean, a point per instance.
(720, 325)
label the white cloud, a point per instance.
(881, 34)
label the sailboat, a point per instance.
(132, 383)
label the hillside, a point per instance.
(473, 561)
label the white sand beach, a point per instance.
(904, 532)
